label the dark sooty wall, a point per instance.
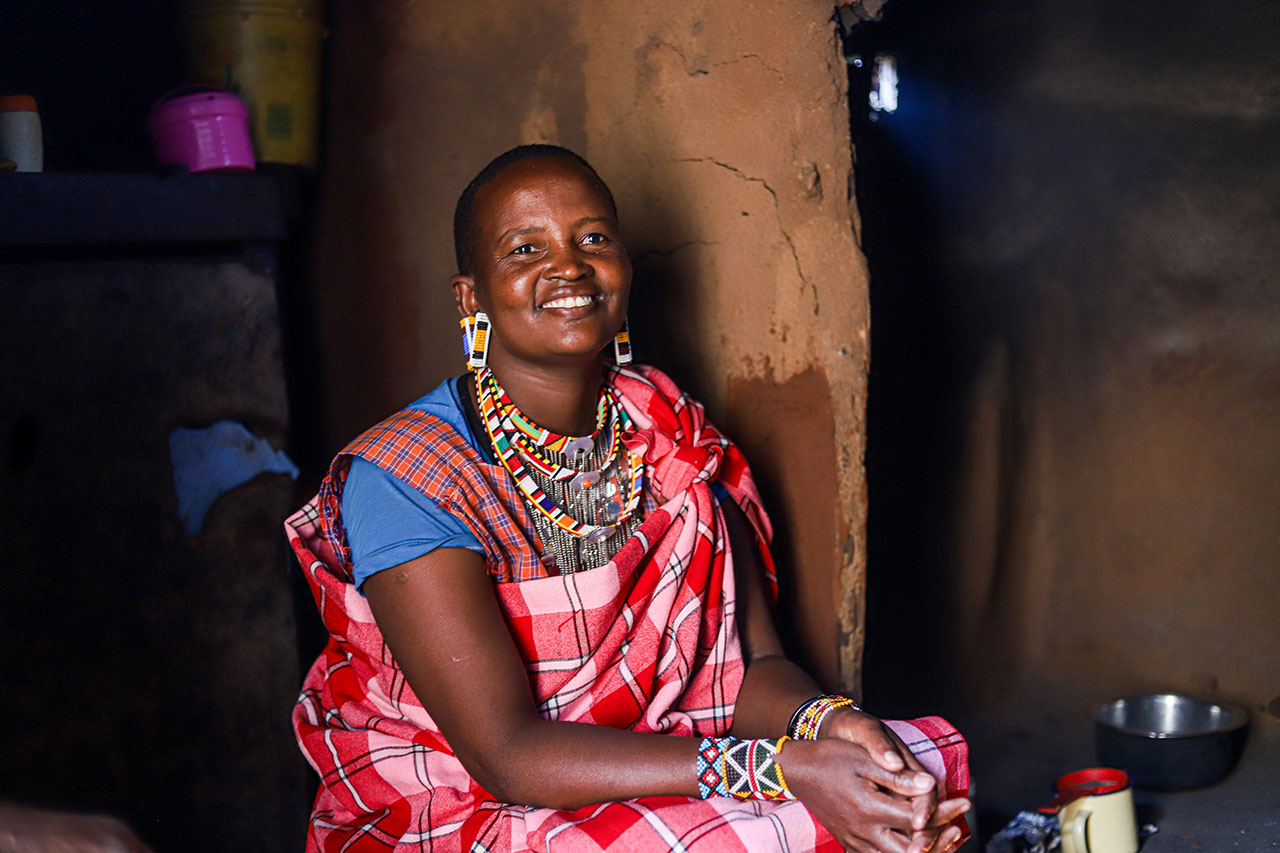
(1075, 393)
(150, 674)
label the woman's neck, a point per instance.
(562, 399)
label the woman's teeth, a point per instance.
(568, 302)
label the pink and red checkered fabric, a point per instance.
(646, 643)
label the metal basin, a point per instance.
(1170, 742)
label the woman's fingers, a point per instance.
(948, 810)
(933, 833)
(858, 845)
(883, 750)
(948, 840)
(905, 783)
(867, 732)
(924, 842)
(888, 811)
(934, 841)
(909, 757)
(921, 811)
(889, 841)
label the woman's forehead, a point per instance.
(536, 185)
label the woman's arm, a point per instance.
(441, 620)
(774, 686)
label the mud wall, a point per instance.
(722, 129)
(1094, 331)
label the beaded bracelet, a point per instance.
(807, 719)
(743, 769)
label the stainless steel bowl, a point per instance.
(1168, 741)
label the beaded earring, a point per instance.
(475, 339)
(622, 345)
(468, 326)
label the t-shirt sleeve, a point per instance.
(388, 522)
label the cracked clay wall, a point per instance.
(723, 132)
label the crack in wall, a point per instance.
(777, 213)
(757, 57)
(695, 68)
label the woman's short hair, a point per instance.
(464, 214)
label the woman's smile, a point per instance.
(569, 302)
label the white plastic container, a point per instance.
(20, 137)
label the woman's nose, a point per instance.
(568, 262)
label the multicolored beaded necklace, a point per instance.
(532, 441)
(515, 438)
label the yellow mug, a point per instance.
(1099, 823)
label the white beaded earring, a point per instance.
(622, 345)
(476, 332)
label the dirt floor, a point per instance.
(1015, 757)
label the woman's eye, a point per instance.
(595, 239)
(523, 249)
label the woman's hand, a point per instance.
(886, 749)
(867, 808)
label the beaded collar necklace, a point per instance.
(532, 441)
(514, 437)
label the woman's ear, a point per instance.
(464, 294)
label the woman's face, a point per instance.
(551, 271)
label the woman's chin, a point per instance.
(582, 347)
(557, 357)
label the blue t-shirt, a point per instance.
(389, 522)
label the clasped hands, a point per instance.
(869, 790)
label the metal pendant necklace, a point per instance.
(602, 496)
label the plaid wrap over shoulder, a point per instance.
(647, 642)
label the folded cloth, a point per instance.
(1028, 832)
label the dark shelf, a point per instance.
(51, 208)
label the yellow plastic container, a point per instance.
(268, 52)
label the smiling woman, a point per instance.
(567, 637)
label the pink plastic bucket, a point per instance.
(206, 130)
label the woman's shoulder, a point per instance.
(431, 432)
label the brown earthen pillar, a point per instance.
(722, 128)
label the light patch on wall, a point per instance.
(884, 84)
(539, 123)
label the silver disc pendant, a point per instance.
(585, 480)
(599, 535)
(578, 448)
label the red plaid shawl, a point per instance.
(647, 643)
